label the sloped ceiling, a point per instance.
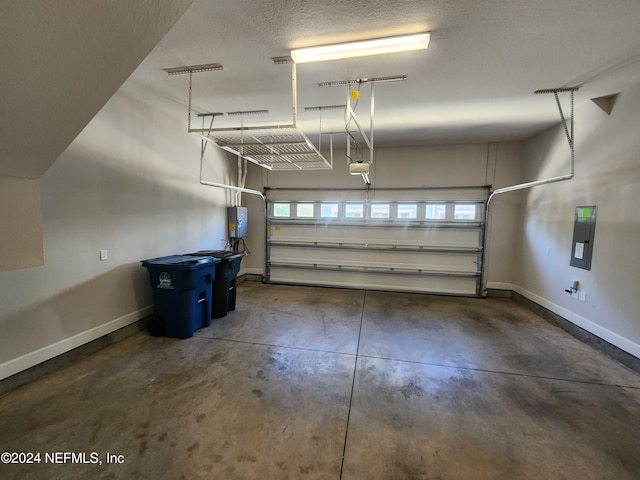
(61, 61)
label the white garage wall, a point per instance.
(417, 166)
(21, 232)
(607, 175)
(129, 183)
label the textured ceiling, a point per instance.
(474, 83)
(62, 61)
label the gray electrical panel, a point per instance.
(237, 222)
(584, 229)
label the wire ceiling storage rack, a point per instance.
(274, 147)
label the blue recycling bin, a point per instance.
(182, 294)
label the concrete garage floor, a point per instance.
(306, 383)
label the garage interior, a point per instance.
(418, 299)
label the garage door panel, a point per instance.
(432, 242)
(375, 281)
(427, 194)
(465, 236)
(420, 261)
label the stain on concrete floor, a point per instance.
(316, 383)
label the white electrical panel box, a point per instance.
(237, 222)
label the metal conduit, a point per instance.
(523, 186)
(203, 148)
(231, 187)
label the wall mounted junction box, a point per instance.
(237, 217)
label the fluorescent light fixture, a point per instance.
(375, 46)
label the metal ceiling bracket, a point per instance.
(568, 130)
(350, 116)
(322, 108)
(191, 69)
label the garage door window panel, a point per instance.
(380, 210)
(407, 211)
(329, 210)
(436, 211)
(305, 210)
(354, 210)
(281, 210)
(464, 212)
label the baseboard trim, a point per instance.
(251, 271)
(500, 286)
(609, 343)
(37, 357)
(251, 274)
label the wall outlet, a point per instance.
(582, 296)
(104, 255)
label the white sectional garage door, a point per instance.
(426, 240)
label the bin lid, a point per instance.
(224, 255)
(181, 262)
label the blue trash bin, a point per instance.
(182, 294)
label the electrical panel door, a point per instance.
(237, 222)
(584, 229)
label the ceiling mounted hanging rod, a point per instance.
(212, 114)
(207, 67)
(248, 112)
(557, 90)
(282, 60)
(341, 83)
(325, 107)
